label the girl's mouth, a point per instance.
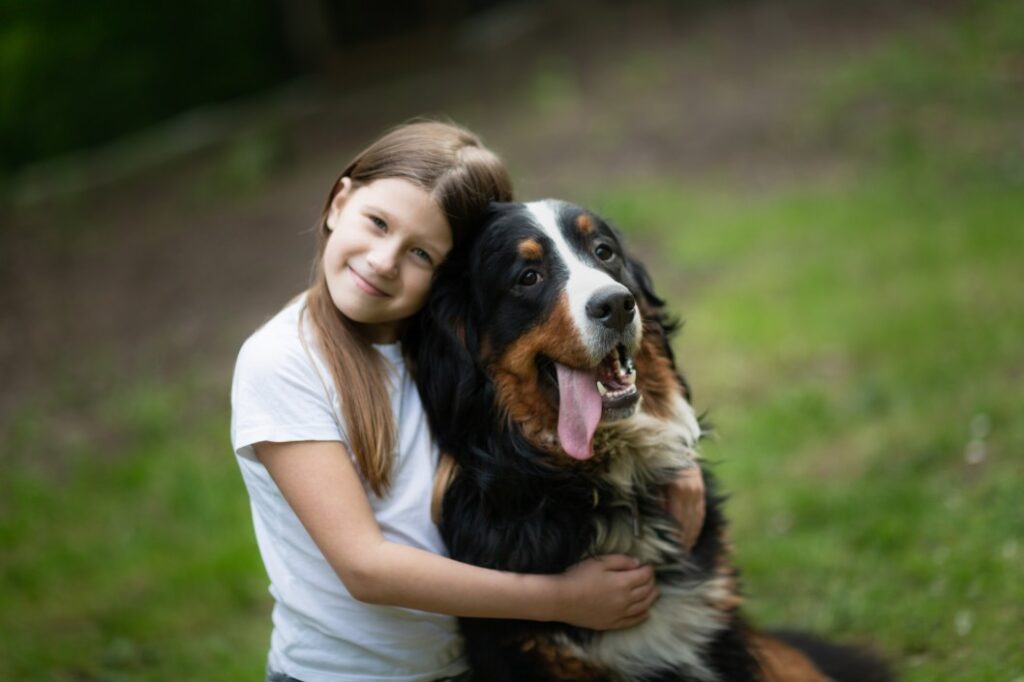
(364, 285)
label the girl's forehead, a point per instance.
(405, 205)
(396, 193)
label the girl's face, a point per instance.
(387, 237)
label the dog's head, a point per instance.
(546, 321)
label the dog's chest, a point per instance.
(636, 525)
(630, 516)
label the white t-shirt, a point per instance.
(283, 392)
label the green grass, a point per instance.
(858, 348)
(859, 351)
(134, 558)
(852, 346)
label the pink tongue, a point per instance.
(579, 411)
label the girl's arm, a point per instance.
(322, 486)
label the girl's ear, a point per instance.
(338, 202)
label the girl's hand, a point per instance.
(684, 499)
(606, 593)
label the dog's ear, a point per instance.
(639, 280)
(642, 279)
(652, 306)
(656, 320)
(443, 344)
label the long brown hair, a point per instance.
(462, 176)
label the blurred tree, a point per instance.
(73, 75)
(76, 74)
(308, 32)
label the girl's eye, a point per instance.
(379, 222)
(423, 256)
(529, 278)
(604, 252)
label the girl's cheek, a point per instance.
(423, 288)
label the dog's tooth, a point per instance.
(601, 389)
(626, 376)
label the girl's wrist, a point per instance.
(549, 599)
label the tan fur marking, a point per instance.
(530, 249)
(727, 574)
(446, 469)
(732, 599)
(561, 663)
(655, 378)
(460, 332)
(781, 662)
(518, 383)
(584, 223)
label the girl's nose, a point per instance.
(383, 261)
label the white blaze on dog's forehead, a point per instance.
(584, 279)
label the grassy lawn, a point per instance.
(136, 559)
(859, 347)
(859, 353)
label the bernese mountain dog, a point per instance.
(543, 361)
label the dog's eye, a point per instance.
(604, 252)
(529, 278)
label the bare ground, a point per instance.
(165, 272)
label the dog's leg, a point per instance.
(781, 662)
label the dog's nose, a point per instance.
(612, 306)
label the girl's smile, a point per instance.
(387, 237)
(364, 284)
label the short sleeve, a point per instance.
(280, 393)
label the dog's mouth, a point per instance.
(587, 397)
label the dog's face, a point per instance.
(563, 323)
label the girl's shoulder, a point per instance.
(282, 350)
(280, 330)
(280, 390)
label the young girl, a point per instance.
(335, 451)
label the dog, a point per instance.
(543, 360)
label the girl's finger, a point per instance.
(642, 591)
(619, 562)
(640, 610)
(630, 622)
(638, 576)
(644, 604)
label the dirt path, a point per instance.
(167, 272)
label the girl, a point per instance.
(335, 452)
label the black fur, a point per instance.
(838, 662)
(509, 506)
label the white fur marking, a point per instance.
(584, 279)
(684, 620)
